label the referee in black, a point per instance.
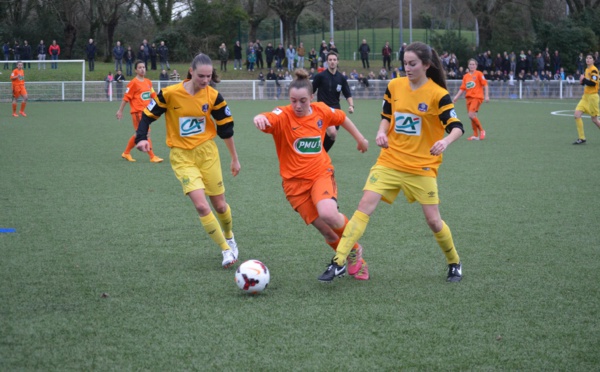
(328, 85)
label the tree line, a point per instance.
(190, 26)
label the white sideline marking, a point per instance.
(569, 113)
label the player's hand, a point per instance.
(381, 140)
(261, 122)
(351, 109)
(362, 145)
(143, 146)
(438, 147)
(119, 115)
(235, 167)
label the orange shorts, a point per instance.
(19, 91)
(135, 120)
(473, 104)
(304, 195)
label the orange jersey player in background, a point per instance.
(308, 176)
(17, 78)
(139, 93)
(476, 87)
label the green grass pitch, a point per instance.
(523, 207)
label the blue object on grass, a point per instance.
(7, 230)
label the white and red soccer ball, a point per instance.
(252, 276)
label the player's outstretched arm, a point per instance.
(457, 96)
(362, 144)
(261, 122)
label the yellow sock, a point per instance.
(580, 132)
(226, 222)
(444, 239)
(354, 231)
(212, 227)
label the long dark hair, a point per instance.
(203, 60)
(429, 56)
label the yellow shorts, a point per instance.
(389, 182)
(589, 104)
(199, 168)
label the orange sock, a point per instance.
(130, 145)
(333, 245)
(341, 229)
(14, 105)
(23, 104)
(339, 233)
(476, 123)
(150, 153)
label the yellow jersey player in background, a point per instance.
(417, 110)
(189, 108)
(589, 100)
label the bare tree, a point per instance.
(16, 11)
(580, 6)
(486, 11)
(109, 14)
(289, 11)
(68, 13)
(161, 11)
(257, 11)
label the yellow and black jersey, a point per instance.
(189, 119)
(591, 80)
(418, 119)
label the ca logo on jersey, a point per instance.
(308, 145)
(407, 123)
(189, 126)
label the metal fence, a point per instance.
(98, 91)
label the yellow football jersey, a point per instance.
(418, 119)
(188, 118)
(591, 74)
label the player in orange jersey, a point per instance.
(309, 184)
(18, 87)
(139, 92)
(476, 87)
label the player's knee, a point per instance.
(203, 209)
(434, 223)
(330, 217)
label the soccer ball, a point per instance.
(252, 276)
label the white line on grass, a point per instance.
(568, 113)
